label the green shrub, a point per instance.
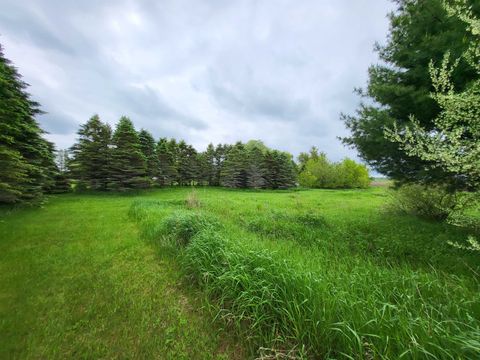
(434, 203)
(317, 171)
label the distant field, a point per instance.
(234, 274)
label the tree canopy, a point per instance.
(26, 157)
(421, 31)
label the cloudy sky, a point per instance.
(203, 70)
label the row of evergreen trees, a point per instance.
(124, 159)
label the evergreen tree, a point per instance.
(234, 171)
(25, 156)
(167, 172)
(147, 146)
(280, 170)
(187, 164)
(208, 165)
(50, 168)
(220, 155)
(128, 164)
(90, 164)
(452, 144)
(256, 167)
(420, 31)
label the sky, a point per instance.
(204, 71)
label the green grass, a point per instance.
(319, 273)
(76, 282)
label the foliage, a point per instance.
(187, 164)
(452, 143)
(421, 31)
(130, 160)
(253, 165)
(318, 172)
(26, 158)
(91, 155)
(148, 148)
(433, 203)
(167, 171)
(128, 169)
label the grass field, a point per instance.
(234, 274)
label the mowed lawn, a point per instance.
(77, 282)
(81, 279)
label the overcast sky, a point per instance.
(203, 70)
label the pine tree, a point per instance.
(256, 168)
(147, 145)
(208, 166)
(234, 172)
(90, 164)
(25, 156)
(128, 164)
(50, 168)
(167, 172)
(280, 170)
(187, 162)
(452, 143)
(220, 155)
(421, 31)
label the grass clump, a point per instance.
(277, 224)
(192, 200)
(332, 308)
(434, 203)
(182, 225)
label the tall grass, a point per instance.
(314, 303)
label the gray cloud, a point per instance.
(206, 71)
(58, 123)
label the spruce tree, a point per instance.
(256, 168)
(128, 164)
(421, 31)
(167, 172)
(234, 172)
(187, 162)
(25, 156)
(208, 166)
(220, 155)
(147, 145)
(280, 170)
(90, 164)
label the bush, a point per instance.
(434, 203)
(319, 172)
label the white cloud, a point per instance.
(206, 71)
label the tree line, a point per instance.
(123, 159)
